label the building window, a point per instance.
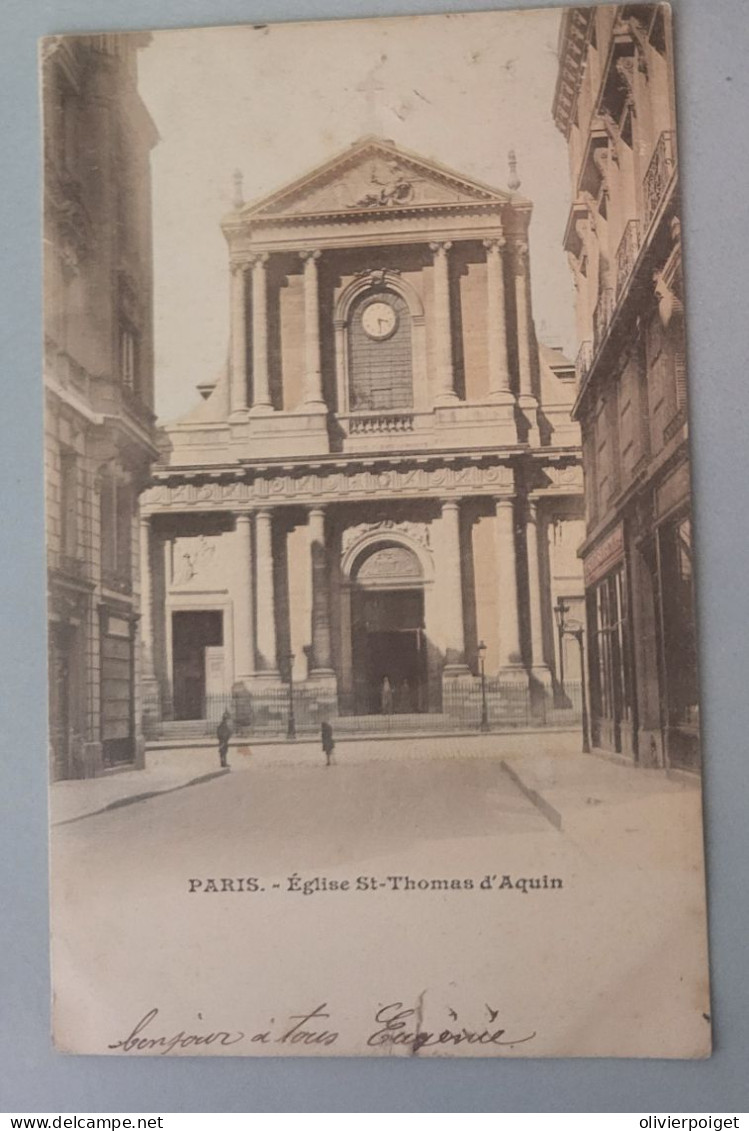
(129, 351)
(116, 510)
(380, 356)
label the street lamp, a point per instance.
(560, 612)
(291, 725)
(574, 627)
(484, 725)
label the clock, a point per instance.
(379, 321)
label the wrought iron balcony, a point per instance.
(626, 254)
(602, 315)
(658, 176)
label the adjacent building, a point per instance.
(98, 381)
(615, 105)
(383, 491)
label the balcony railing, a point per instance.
(583, 360)
(386, 422)
(658, 176)
(602, 315)
(626, 254)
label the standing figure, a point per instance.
(223, 733)
(386, 696)
(328, 745)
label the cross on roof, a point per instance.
(371, 86)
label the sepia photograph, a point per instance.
(374, 720)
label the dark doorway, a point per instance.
(389, 652)
(192, 633)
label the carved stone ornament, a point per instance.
(417, 531)
(377, 276)
(390, 563)
(393, 186)
(192, 558)
(625, 69)
(67, 213)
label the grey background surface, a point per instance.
(713, 48)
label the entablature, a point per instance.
(332, 481)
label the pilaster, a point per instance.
(238, 390)
(321, 665)
(539, 669)
(496, 322)
(445, 379)
(313, 394)
(449, 565)
(510, 662)
(527, 402)
(244, 628)
(261, 402)
(267, 652)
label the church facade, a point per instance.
(381, 497)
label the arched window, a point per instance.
(380, 353)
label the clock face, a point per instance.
(379, 321)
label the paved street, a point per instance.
(143, 922)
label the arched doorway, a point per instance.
(387, 628)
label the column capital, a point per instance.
(495, 243)
(440, 247)
(258, 258)
(238, 266)
(450, 503)
(243, 517)
(317, 508)
(310, 255)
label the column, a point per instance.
(452, 588)
(444, 385)
(522, 305)
(146, 604)
(534, 586)
(265, 605)
(244, 628)
(507, 587)
(321, 655)
(499, 373)
(261, 402)
(238, 397)
(313, 396)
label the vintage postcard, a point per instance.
(374, 723)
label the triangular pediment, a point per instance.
(374, 176)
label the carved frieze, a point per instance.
(335, 485)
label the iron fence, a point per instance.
(265, 713)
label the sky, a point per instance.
(275, 101)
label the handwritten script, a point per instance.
(393, 1025)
